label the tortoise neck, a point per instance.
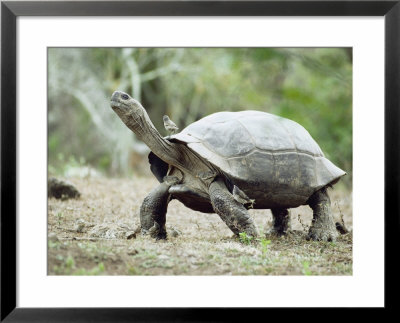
(175, 154)
(144, 129)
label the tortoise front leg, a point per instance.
(231, 212)
(153, 212)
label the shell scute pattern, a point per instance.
(263, 154)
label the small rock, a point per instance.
(111, 231)
(61, 189)
(173, 232)
(112, 257)
(163, 257)
(53, 237)
(80, 226)
(130, 235)
(132, 252)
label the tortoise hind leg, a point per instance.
(322, 227)
(231, 212)
(281, 221)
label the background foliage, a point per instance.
(312, 86)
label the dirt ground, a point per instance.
(88, 236)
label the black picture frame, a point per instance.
(11, 10)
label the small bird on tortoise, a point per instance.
(169, 125)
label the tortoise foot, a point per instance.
(144, 232)
(318, 234)
(250, 231)
(322, 228)
(274, 232)
(157, 232)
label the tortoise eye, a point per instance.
(125, 96)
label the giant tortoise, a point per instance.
(272, 160)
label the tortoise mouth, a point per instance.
(118, 104)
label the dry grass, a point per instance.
(203, 246)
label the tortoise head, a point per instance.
(130, 111)
(135, 117)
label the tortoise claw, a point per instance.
(157, 232)
(322, 235)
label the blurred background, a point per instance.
(312, 86)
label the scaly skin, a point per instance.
(231, 212)
(281, 221)
(323, 227)
(153, 212)
(154, 209)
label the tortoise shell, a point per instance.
(272, 159)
